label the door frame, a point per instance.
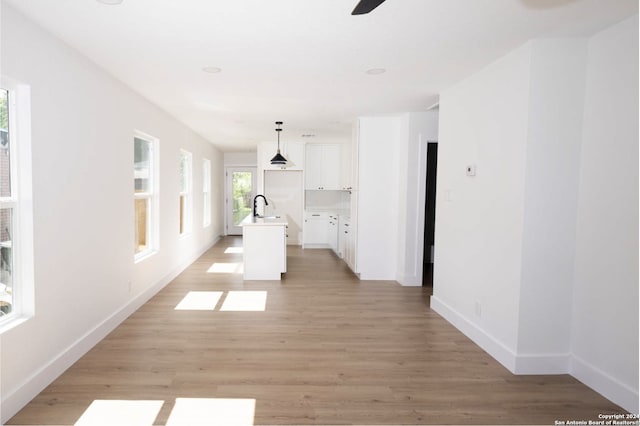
(230, 229)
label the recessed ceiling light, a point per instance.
(212, 70)
(376, 71)
(110, 2)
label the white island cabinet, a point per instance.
(264, 242)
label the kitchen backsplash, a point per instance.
(335, 201)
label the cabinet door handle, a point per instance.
(346, 224)
(315, 215)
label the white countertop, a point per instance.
(271, 220)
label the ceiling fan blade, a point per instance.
(366, 6)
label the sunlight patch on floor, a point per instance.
(245, 301)
(226, 268)
(120, 412)
(199, 301)
(212, 411)
(186, 411)
(234, 250)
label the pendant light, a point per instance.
(278, 159)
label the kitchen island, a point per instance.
(264, 241)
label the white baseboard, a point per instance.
(516, 363)
(315, 246)
(16, 399)
(542, 363)
(566, 363)
(604, 384)
(488, 343)
(409, 280)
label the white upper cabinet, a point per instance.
(346, 178)
(323, 168)
(292, 151)
(354, 157)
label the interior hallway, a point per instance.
(327, 349)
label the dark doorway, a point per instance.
(430, 214)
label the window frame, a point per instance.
(186, 193)
(206, 192)
(20, 202)
(151, 195)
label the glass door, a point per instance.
(240, 188)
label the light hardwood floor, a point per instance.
(328, 349)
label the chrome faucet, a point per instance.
(255, 204)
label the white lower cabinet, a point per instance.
(342, 237)
(327, 230)
(347, 242)
(332, 231)
(315, 230)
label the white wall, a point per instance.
(550, 202)
(412, 169)
(283, 189)
(391, 182)
(83, 122)
(479, 225)
(377, 196)
(605, 296)
(234, 159)
(511, 271)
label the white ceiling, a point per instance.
(303, 61)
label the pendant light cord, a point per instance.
(278, 130)
(278, 159)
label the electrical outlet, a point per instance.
(478, 309)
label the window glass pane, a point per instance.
(141, 241)
(182, 213)
(206, 175)
(184, 159)
(5, 154)
(207, 209)
(6, 262)
(142, 165)
(206, 188)
(184, 173)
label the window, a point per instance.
(206, 192)
(16, 215)
(185, 192)
(145, 195)
(7, 208)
